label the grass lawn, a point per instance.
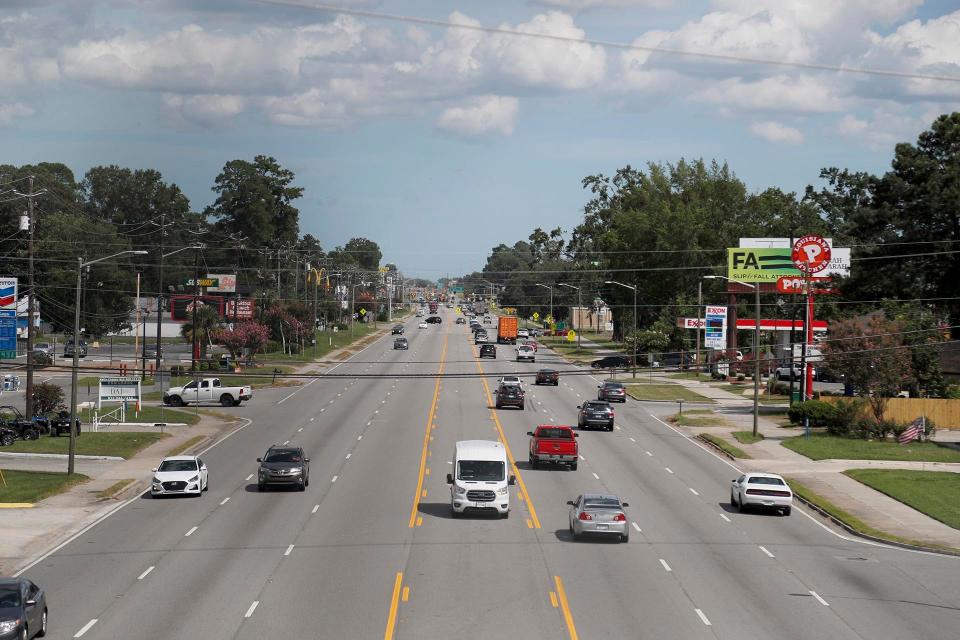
(822, 446)
(665, 392)
(326, 342)
(747, 437)
(176, 451)
(151, 414)
(935, 493)
(698, 418)
(32, 486)
(116, 487)
(120, 443)
(726, 446)
(690, 375)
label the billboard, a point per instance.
(8, 293)
(243, 311)
(226, 283)
(767, 264)
(715, 328)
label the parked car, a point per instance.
(45, 347)
(599, 514)
(179, 475)
(207, 390)
(612, 392)
(401, 343)
(510, 395)
(611, 362)
(488, 351)
(23, 609)
(762, 490)
(548, 376)
(68, 349)
(596, 413)
(792, 371)
(553, 443)
(397, 330)
(60, 425)
(284, 466)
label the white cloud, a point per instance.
(801, 94)
(850, 125)
(581, 5)
(488, 114)
(775, 132)
(886, 126)
(211, 110)
(12, 111)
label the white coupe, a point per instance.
(762, 490)
(179, 475)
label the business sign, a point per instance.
(241, 309)
(811, 254)
(715, 328)
(8, 293)
(225, 283)
(769, 265)
(182, 306)
(691, 323)
(119, 389)
(748, 324)
(201, 282)
(8, 334)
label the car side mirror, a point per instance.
(512, 480)
(529, 433)
(31, 603)
(625, 504)
(576, 435)
(259, 459)
(571, 503)
(203, 468)
(449, 478)
(306, 459)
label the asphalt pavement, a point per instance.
(369, 550)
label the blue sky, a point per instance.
(440, 143)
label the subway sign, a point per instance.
(771, 264)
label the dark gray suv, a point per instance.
(284, 466)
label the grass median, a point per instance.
(150, 414)
(935, 493)
(698, 418)
(747, 437)
(33, 486)
(665, 393)
(822, 446)
(736, 452)
(124, 444)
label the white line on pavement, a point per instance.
(648, 453)
(334, 478)
(316, 508)
(636, 526)
(764, 549)
(85, 628)
(693, 491)
(145, 573)
(596, 476)
(225, 501)
(253, 607)
(669, 470)
(286, 443)
(249, 477)
(666, 567)
(703, 618)
(348, 456)
(190, 533)
(300, 429)
(632, 440)
(725, 517)
(288, 397)
(289, 549)
(819, 599)
(582, 458)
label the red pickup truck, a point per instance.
(552, 443)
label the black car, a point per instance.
(61, 424)
(611, 362)
(400, 343)
(434, 320)
(510, 395)
(488, 351)
(548, 376)
(595, 413)
(23, 609)
(68, 349)
(284, 466)
(461, 320)
(397, 330)
(612, 392)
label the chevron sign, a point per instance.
(8, 293)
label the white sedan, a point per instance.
(525, 352)
(179, 475)
(423, 325)
(764, 490)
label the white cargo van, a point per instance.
(479, 481)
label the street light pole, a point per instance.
(72, 449)
(548, 287)
(579, 307)
(634, 322)
(699, 314)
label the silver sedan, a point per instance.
(601, 514)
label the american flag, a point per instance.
(912, 432)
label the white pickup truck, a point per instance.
(207, 390)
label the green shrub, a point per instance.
(177, 370)
(846, 418)
(741, 377)
(819, 413)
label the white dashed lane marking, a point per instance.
(145, 573)
(764, 549)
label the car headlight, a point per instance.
(296, 471)
(7, 626)
(459, 490)
(194, 478)
(157, 480)
(504, 491)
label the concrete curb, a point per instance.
(58, 456)
(715, 447)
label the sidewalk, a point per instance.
(825, 477)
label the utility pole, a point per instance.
(163, 220)
(30, 299)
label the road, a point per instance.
(370, 550)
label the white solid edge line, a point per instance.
(703, 618)
(666, 567)
(288, 551)
(764, 549)
(190, 533)
(240, 428)
(253, 607)
(819, 599)
(287, 397)
(635, 526)
(85, 628)
(146, 573)
(799, 509)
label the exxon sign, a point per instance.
(8, 293)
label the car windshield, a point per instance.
(283, 456)
(763, 480)
(595, 406)
(561, 434)
(613, 385)
(601, 503)
(9, 596)
(480, 470)
(177, 465)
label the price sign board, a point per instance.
(715, 328)
(8, 334)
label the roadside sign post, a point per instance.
(810, 254)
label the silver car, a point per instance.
(600, 514)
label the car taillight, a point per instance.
(620, 517)
(611, 414)
(585, 516)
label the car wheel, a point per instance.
(733, 502)
(8, 439)
(505, 515)
(226, 400)
(261, 486)
(23, 634)
(176, 401)
(533, 462)
(573, 467)
(609, 427)
(557, 383)
(521, 406)
(786, 511)
(206, 485)
(30, 434)
(306, 481)
(740, 506)
(625, 538)
(236, 403)
(43, 625)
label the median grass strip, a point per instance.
(934, 493)
(747, 437)
(114, 443)
(698, 418)
(327, 341)
(665, 392)
(114, 489)
(726, 446)
(150, 415)
(822, 446)
(33, 486)
(176, 451)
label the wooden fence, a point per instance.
(944, 413)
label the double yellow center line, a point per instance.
(414, 510)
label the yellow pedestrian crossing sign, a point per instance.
(363, 312)
(536, 316)
(571, 336)
(549, 319)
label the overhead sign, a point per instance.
(224, 283)
(8, 334)
(8, 293)
(119, 389)
(715, 328)
(811, 254)
(769, 265)
(201, 282)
